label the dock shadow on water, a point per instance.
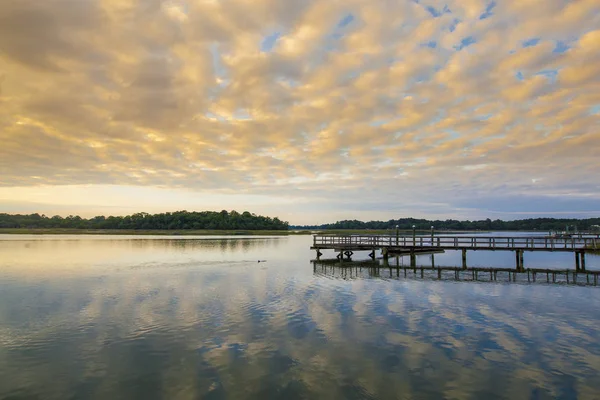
(384, 269)
(87, 318)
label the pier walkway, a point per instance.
(413, 245)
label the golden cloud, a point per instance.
(250, 95)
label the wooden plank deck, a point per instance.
(413, 245)
(404, 242)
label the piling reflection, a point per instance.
(348, 270)
(281, 331)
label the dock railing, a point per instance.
(460, 242)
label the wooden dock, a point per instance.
(412, 245)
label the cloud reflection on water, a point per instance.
(275, 330)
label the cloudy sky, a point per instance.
(310, 110)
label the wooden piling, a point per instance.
(464, 258)
(521, 263)
(577, 261)
(583, 261)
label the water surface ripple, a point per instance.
(189, 318)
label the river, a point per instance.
(128, 317)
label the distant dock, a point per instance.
(389, 245)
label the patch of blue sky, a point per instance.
(242, 115)
(519, 75)
(288, 82)
(338, 32)
(484, 117)
(437, 118)
(550, 74)
(561, 47)
(351, 75)
(437, 13)
(392, 60)
(452, 133)
(219, 69)
(213, 116)
(595, 109)
(434, 13)
(453, 25)
(466, 42)
(269, 42)
(345, 21)
(531, 42)
(489, 10)
(432, 44)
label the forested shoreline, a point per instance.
(233, 220)
(531, 224)
(179, 220)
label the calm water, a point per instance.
(179, 318)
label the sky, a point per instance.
(312, 111)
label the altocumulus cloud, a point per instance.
(403, 107)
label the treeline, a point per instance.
(541, 224)
(170, 221)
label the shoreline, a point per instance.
(210, 232)
(132, 232)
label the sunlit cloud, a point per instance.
(311, 101)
